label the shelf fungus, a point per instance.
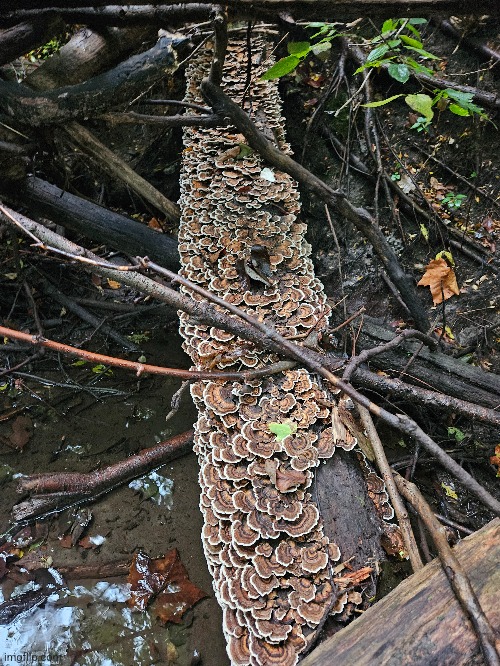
(240, 237)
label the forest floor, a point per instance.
(59, 414)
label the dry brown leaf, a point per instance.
(22, 429)
(164, 580)
(441, 279)
(495, 460)
(113, 284)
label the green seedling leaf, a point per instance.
(78, 364)
(377, 53)
(411, 42)
(282, 430)
(463, 100)
(322, 47)
(388, 26)
(457, 434)
(421, 104)
(382, 102)
(458, 110)
(281, 68)
(424, 54)
(417, 21)
(299, 49)
(399, 72)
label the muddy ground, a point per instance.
(79, 417)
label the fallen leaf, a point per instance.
(495, 460)
(22, 429)
(441, 280)
(113, 284)
(165, 581)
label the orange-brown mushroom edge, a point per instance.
(240, 237)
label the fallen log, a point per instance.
(420, 622)
(430, 369)
(97, 223)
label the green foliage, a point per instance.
(298, 51)
(457, 434)
(453, 200)
(282, 430)
(48, 49)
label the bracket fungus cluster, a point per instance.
(241, 237)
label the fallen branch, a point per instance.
(145, 368)
(263, 335)
(107, 160)
(430, 628)
(91, 97)
(386, 474)
(454, 571)
(363, 221)
(55, 492)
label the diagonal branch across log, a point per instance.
(360, 217)
(264, 335)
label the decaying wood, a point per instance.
(263, 335)
(431, 369)
(420, 622)
(359, 217)
(94, 96)
(107, 160)
(320, 9)
(96, 222)
(24, 37)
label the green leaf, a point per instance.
(424, 54)
(411, 42)
(458, 110)
(463, 99)
(282, 430)
(299, 49)
(321, 47)
(388, 26)
(457, 434)
(421, 104)
(281, 68)
(382, 102)
(417, 21)
(378, 53)
(399, 72)
(413, 30)
(424, 232)
(77, 364)
(417, 67)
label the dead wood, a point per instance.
(421, 622)
(454, 571)
(258, 331)
(431, 369)
(96, 222)
(23, 37)
(60, 490)
(74, 11)
(94, 96)
(107, 160)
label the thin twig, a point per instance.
(144, 368)
(219, 24)
(386, 473)
(454, 571)
(367, 354)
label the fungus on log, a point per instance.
(241, 237)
